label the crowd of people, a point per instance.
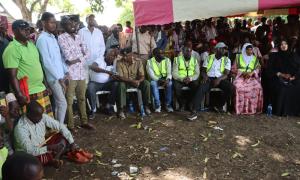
(256, 67)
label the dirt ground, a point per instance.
(165, 146)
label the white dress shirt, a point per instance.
(215, 70)
(95, 43)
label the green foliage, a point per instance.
(63, 6)
(96, 5)
(127, 14)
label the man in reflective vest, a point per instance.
(186, 72)
(159, 71)
(216, 69)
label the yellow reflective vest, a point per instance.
(185, 70)
(162, 71)
(210, 62)
(241, 65)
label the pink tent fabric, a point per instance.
(149, 12)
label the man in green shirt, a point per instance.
(21, 59)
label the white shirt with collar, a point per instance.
(102, 77)
(215, 70)
(95, 43)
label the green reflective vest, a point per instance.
(162, 71)
(3, 156)
(210, 62)
(243, 67)
(183, 69)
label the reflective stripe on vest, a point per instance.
(243, 67)
(183, 70)
(162, 71)
(211, 59)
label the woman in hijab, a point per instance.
(248, 89)
(284, 78)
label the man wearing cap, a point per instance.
(21, 59)
(186, 72)
(75, 55)
(215, 71)
(55, 69)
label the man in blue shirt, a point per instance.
(55, 69)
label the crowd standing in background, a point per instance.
(255, 66)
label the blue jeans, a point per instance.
(155, 93)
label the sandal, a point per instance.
(86, 154)
(77, 157)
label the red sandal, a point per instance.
(86, 154)
(77, 157)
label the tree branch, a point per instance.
(43, 8)
(33, 5)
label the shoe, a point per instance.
(92, 115)
(169, 109)
(121, 115)
(181, 109)
(77, 157)
(86, 154)
(193, 116)
(110, 111)
(147, 110)
(88, 126)
(158, 110)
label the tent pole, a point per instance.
(137, 39)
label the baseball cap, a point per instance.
(220, 45)
(20, 24)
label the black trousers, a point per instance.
(226, 86)
(179, 94)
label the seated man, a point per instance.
(185, 73)
(101, 80)
(28, 167)
(159, 70)
(30, 132)
(10, 111)
(215, 72)
(131, 74)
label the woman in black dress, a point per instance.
(284, 76)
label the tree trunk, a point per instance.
(26, 14)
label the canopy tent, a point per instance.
(148, 12)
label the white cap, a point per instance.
(220, 45)
(10, 97)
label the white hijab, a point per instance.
(247, 58)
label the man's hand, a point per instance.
(4, 111)
(292, 78)
(216, 82)
(63, 85)
(135, 83)
(186, 80)
(74, 147)
(70, 63)
(22, 100)
(115, 77)
(205, 79)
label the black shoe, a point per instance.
(109, 111)
(193, 116)
(92, 115)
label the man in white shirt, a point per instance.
(215, 71)
(94, 40)
(102, 75)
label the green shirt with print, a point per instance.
(26, 59)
